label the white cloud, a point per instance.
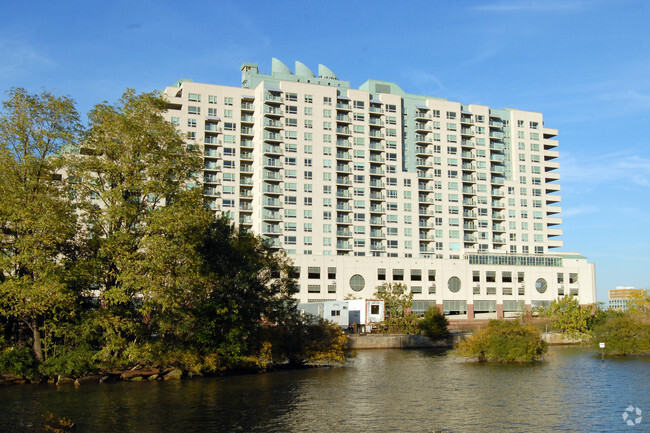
(622, 168)
(20, 58)
(426, 82)
(579, 210)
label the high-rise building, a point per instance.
(620, 296)
(372, 185)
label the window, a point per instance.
(398, 274)
(191, 123)
(193, 110)
(309, 111)
(293, 97)
(227, 101)
(194, 97)
(309, 99)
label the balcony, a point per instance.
(343, 207)
(270, 136)
(271, 202)
(377, 247)
(271, 189)
(276, 163)
(496, 192)
(271, 229)
(343, 131)
(343, 155)
(343, 169)
(377, 234)
(377, 209)
(270, 149)
(466, 131)
(343, 143)
(343, 181)
(344, 233)
(345, 245)
(274, 99)
(376, 110)
(271, 216)
(376, 184)
(343, 194)
(343, 106)
(245, 118)
(274, 176)
(376, 146)
(344, 220)
(272, 111)
(272, 124)
(343, 118)
(210, 153)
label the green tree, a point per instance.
(435, 324)
(569, 317)
(398, 301)
(37, 221)
(135, 183)
(504, 341)
(623, 334)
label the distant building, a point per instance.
(620, 296)
(457, 201)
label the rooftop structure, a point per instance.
(362, 186)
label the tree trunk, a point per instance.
(38, 347)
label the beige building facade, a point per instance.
(371, 185)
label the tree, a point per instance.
(398, 301)
(37, 221)
(504, 341)
(136, 189)
(435, 324)
(623, 334)
(569, 317)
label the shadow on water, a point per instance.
(379, 391)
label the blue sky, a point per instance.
(584, 64)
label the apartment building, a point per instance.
(372, 185)
(619, 297)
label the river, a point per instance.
(379, 391)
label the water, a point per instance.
(379, 391)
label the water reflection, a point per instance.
(382, 391)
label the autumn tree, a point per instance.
(569, 317)
(398, 301)
(136, 185)
(37, 221)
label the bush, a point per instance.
(623, 335)
(434, 324)
(504, 342)
(18, 361)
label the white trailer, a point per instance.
(366, 312)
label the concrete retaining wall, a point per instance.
(400, 341)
